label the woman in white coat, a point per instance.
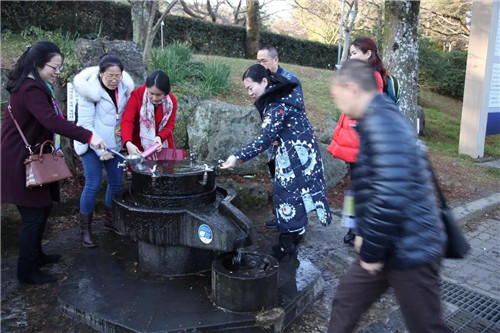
(103, 94)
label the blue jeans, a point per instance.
(92, 168)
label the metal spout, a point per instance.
(205, 175)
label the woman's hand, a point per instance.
(106, 156)
(132, 149)
(230, 162)
(157, 140)
(97, 142)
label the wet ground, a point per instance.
(27, 308)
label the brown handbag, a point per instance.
(42, 169)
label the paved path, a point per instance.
(480, 270)
(470, 288)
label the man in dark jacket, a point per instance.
(401, 237)
(269, 58)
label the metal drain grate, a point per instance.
(478, 313)
(463, 321)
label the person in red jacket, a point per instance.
(345, 141)
(149, 117)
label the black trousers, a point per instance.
(31, 230)
(417, 291)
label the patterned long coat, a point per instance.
(299, 183)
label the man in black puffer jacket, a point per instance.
(401, 237)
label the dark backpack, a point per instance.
(392, 88)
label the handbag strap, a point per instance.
(28, 146)
(423, 148)
(438, 187)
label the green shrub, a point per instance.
(202, 79)
(66, 41)
(175, 61)
(442, 72)
(214, 77)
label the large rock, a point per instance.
(220, 129)
(335, 169)
(325, 133)
(89, 52)
(186, 107)
(250, 196)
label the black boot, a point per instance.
(287, 246)
(28, 272)
(32, 222)
(45, 259)
(42, 258)
(86, 229)
(108, 222)
(349, 238)
(272, 224)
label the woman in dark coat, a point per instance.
(38, 114)
(299, 183)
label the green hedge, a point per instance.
(87, 18)
(229, 41)
(442, 72)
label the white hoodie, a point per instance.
(96, 110)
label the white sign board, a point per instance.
(494, 101)
(72, 99)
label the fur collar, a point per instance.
(87, 84)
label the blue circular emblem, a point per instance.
(205, 234)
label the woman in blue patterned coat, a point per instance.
(299, 183)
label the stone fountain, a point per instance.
(190, 262)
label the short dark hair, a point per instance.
(160, 80)
(109, 60)
(272, 51)
(257, 73)
(36, 56)
(359, 72)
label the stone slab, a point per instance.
(107, 291)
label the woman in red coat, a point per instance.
(149, 117)
(37, 112)
(345, 141)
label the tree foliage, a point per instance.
(321, 18)
(228, 12)
(446, 22)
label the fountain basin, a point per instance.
(179, 217)
(245, 286)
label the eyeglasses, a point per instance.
(56, 68)
(111, 77)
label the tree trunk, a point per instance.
(349, 24)
(143, 23)
(252, 36)
(400, 50)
